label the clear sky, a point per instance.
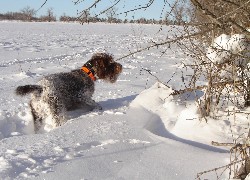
(69, 8)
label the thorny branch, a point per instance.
(218, 168)
(207, 12)
(150, 2)
(237, 151)
(42, 5)
(87, 9)
(233, 3)
(215, 85)
(111, 7)
(150, 72)
(216, 19)
(78, 2)
(178, 38)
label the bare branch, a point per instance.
(222, 144)
(150, 2)
(216, 169)
(93, 5)
(214, 85)
(233, 3)
(78, 2)
(108, 8)
(178, 38)
(217, 20)
(207, 12)
(150, 72)
(42, 5)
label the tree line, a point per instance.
(28, 14)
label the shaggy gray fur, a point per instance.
(57, 93)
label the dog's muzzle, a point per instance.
(118, 68)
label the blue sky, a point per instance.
(68, 7)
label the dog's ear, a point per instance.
(106, 67)
(101, 62)
(105, 57)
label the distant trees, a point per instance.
(111, 14)
(85, 16)
(111, 18)
(25, 14)
(50, 17)
(12, 16)
(65, 18)
(28, 13)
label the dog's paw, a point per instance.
(98, 107)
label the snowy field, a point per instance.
(141, 133)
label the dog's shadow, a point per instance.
(108, 105)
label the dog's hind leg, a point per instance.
(36, 118)
(57, 111)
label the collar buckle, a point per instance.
(89, 72)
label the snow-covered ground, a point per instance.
(141, 133)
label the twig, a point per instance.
(216, 19)
(87, 9)
(78, 1)
(178, 38)
(150, 2)
(42, 5)
(216, 169)
(222, 144)
(176, 92)
(149, 71)
(108, 8)
(207, 12)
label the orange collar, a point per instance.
(89, 73)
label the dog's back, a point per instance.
(67, 85)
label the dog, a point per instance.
(55, 94)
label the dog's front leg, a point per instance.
(93, 104)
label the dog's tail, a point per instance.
(24, 90)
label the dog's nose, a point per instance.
(119, 68)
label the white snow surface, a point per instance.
(142, 132)
(226, 45)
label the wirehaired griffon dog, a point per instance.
(58, 93)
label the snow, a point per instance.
(226, 45)
(142, 132)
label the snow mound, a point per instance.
(177, 117)
(15, 123)
(225, 45)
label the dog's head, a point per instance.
(105, 67)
